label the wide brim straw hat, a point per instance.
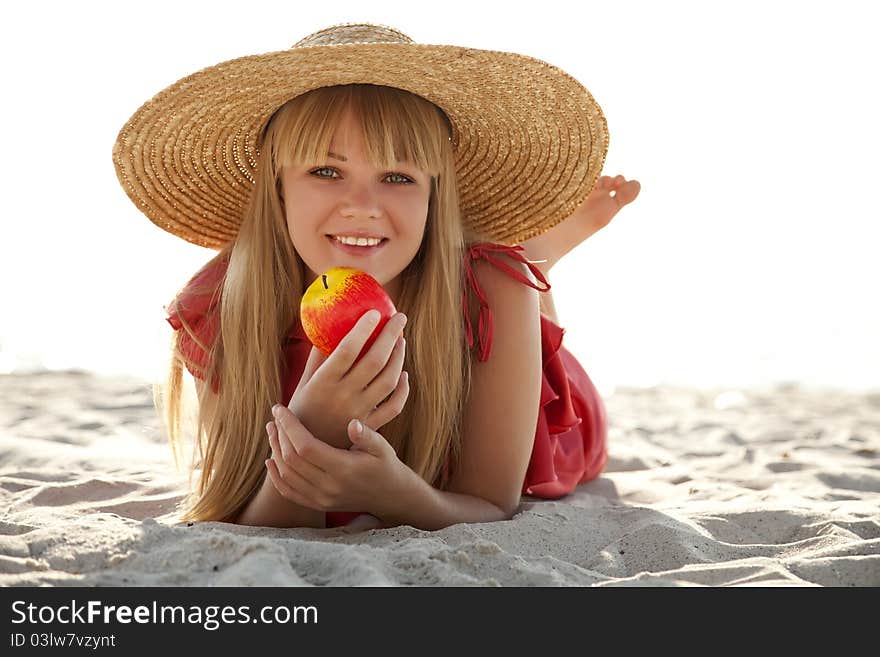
(529, 140)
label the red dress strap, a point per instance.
(489, 252)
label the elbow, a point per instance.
(509, 507)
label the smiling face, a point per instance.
(380, 211)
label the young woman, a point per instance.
(359, 148)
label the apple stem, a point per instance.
(324, 281)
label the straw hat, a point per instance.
(529, 140)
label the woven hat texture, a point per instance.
(529, 140)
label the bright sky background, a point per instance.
(750, 257)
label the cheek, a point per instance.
(302, 225)
(416, 211)
(304, 211)
(306, 242)
(295, 230)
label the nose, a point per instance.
(360, 202)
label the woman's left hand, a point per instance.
(367, 477)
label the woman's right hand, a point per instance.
(335, 389)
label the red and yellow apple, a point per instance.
(336, 300)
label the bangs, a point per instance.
(397, 126)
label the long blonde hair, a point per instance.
(230, 443)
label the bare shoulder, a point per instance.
(501, 411)
(491, 275)
(507, 297)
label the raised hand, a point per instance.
(334, 389)
(609, 195)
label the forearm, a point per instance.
(267, 508)
(426, 507)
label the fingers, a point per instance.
(285, 489)
(289, 463)
(364, 439)
(391, 407)
(307, 447)
(386, 381)
(278, 450)
(375, 360)
(316, 358)
(281, 476)
(349, 348)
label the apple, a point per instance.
(336, 300)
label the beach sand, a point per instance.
(726, 487)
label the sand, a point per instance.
(763, 487)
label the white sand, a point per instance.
(773, 487)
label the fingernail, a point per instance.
(358, 427)
(403, 319)
(373, 317)
(276, 410)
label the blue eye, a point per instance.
(315, 172)
(406, 179)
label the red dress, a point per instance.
(571, 435)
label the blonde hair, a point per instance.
(246, 358)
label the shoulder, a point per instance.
(193, 315)
(209, 278)
(498, 261)
(505, 293)
(500, 283)
(510, 276)
(514, 306)
(200, 295)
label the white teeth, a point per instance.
(358, 241)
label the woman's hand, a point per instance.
(334, 389)
(368, 477)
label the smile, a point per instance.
(357, 241)
(357, 245)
